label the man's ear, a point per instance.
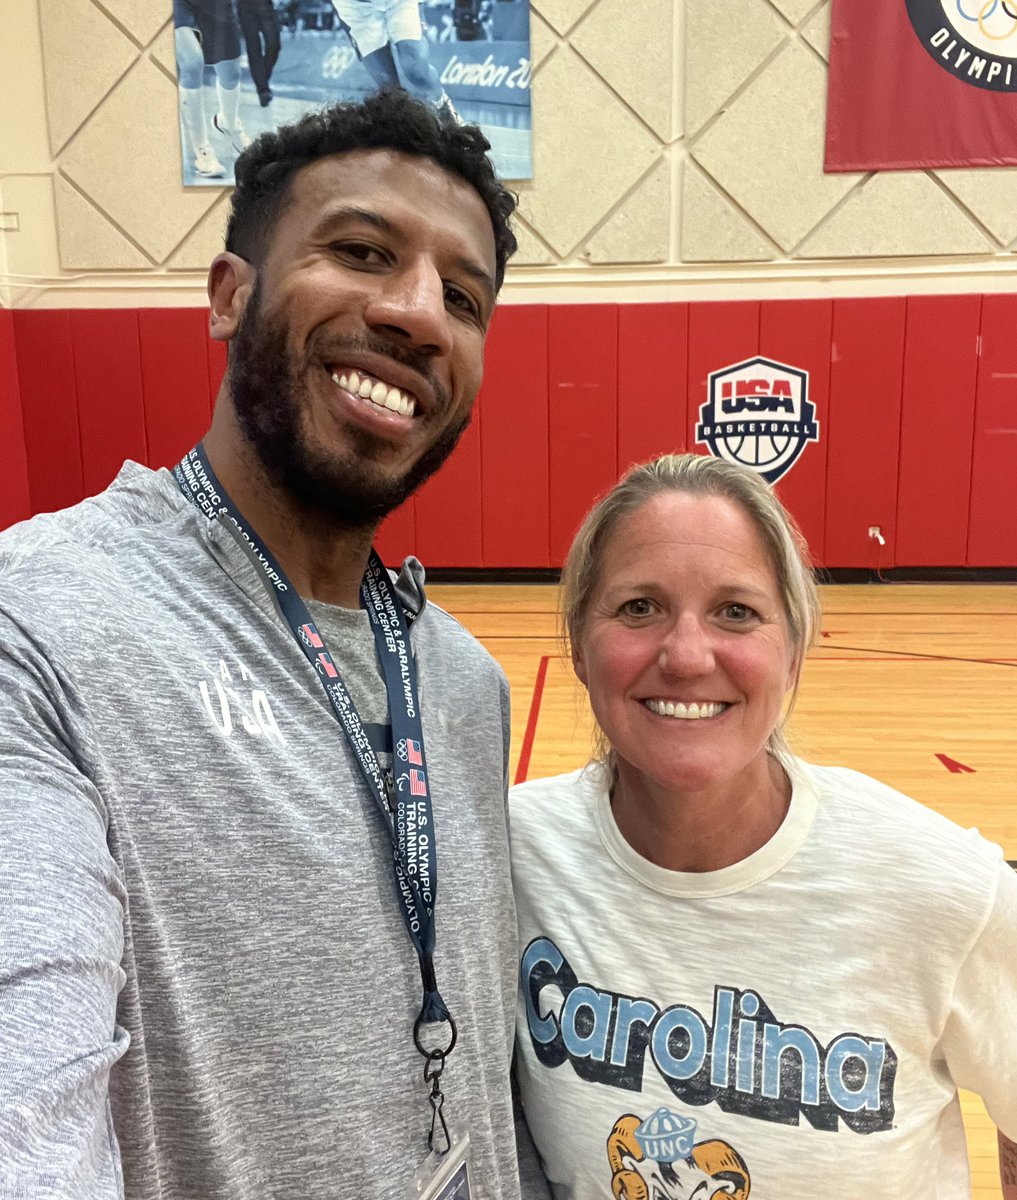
(230, 284)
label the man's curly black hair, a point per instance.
(387, 120)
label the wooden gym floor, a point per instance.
(914, 684)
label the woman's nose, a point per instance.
(687, 649)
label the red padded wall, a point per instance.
(448, 507)
(175, 380)
(720, 334)
(863, 430)
(916, 402)
(514, 481)
(653, 351)
(937, 429)
(111, 414)
(49, 406)
(583, 393)
(992, 529)
(15, 498)
(797, 332)
(397, 536)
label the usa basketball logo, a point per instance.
(758, 414)
(975, 40)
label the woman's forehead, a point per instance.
(687, 531)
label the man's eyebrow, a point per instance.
(350, 212)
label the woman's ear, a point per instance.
(579, 663)
(230, 284)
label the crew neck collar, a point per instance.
(770, 858)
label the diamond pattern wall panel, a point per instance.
(543, 39)
(634, 233)
(880, 220)
(204, 241)
(591, 150)
(87, 237)
(617, 182)
(816, 30)
(639, 68)
(766, 150)
(163, 51)
(713, 228)
(725, 41)
(990, 195)
(146, 200)
(561, 15)
(794, 10)
(76, 35)
(141, 18)
(532, 252)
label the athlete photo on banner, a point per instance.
(248, 66)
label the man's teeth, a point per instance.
(377, 392)
(684, 712)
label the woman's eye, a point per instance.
(639, 607)
(738, 612)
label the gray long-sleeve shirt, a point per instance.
(206, 988)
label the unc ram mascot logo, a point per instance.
(656, 1159)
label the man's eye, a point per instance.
(459, 299)
(359, 251)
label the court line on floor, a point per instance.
(531, 723)
(913, 655)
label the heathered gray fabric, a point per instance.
(204, 976)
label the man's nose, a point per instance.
(410, 303)
(687, 649)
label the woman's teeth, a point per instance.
(684, 712)
(376, 392)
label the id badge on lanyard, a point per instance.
(446, 1176)
(408, 817)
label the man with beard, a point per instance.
(256, 932)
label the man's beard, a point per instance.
(269, 394)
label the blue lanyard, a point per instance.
(408, 819)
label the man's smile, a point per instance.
(374, 390)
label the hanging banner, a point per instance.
(248, 66)
(922, 83)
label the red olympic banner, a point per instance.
(922, 83)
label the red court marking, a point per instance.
(531, 724)
(954, 767)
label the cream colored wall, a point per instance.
(678, 154)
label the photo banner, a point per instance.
(922, 83)
(248, 66)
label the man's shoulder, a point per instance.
(436, 632)
(52, 552)
(448, 634)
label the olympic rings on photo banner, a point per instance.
(985, 11)
(980, 16)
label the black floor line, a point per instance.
(917, 654)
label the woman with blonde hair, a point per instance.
(741, 972)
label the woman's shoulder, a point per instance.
(579, 785)
(877, 820)
(557, 802)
